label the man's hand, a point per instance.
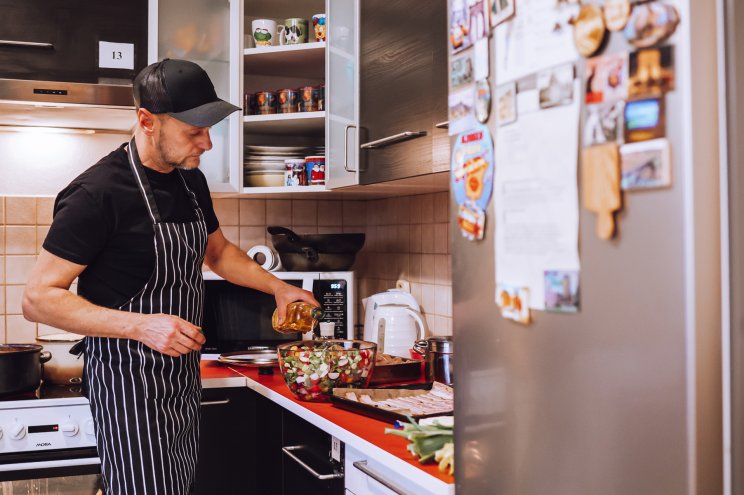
(169, 334)
(286, 294)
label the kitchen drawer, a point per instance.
(359, 482)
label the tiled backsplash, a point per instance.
(407, 238)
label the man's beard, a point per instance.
(166, 155)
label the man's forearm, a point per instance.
(63, 309)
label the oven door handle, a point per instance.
(59, 463)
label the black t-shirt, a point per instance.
(101, 221)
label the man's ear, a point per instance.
(145, 121)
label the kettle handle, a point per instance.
(419, 323)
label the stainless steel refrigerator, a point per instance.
(623, 397)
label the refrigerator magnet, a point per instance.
(645, 165)
(462, 110)
(644, 119)
(562, 291)
(459, 31)
(590, 32)
(616, 14)
(482, 100)
(461, 71)
(600, 184)
(501, 10)
(650, 24)
(651, 72)
(604, 123)
(472, 173)
(606, 78)
(514, 302)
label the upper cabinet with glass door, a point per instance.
(284, 77)
(207, 32)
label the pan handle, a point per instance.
(291, 236)
(311, 253)
(45, 356)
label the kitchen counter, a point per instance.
(362, 433)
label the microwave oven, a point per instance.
(237, 317)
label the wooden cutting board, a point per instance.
(600, 182)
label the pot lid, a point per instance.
(60, 337)
(253, 356)
(19, 348)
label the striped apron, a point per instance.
(146, 404)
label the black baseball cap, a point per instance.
(182, 90)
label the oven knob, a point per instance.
(17, 431)
(69, 429)
(90, 429)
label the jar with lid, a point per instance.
(301, 317)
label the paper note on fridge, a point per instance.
(535, 198)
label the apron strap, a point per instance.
(144, 185)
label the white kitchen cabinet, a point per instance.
(207, 32)
(367, 476)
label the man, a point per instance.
(135, 229)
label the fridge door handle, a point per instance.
(362, 466)
(395, 138)
(219, 402)
(26, 44)
(289, 452)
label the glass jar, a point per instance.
(301, 317)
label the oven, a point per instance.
(47, 444)
(236, 318)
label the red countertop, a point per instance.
(369, 429)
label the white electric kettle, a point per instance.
(393, 320)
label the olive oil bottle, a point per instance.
(301, 317)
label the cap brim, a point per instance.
(206, 115)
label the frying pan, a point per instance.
(315, 252)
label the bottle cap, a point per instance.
(327, 328)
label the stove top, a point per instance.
(46, 395)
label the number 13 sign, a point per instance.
(115, 55)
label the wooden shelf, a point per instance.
(273, 191)
(303, 60)
(301, 123)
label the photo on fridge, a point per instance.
(645, 165)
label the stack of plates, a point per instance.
(270, 158)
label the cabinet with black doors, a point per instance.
(227, 449)
(249, 444)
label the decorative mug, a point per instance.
(293, 32)
(287, 100)
(307, 101)
(264, 31)
(319, 25)
(265, 102)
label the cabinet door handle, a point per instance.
(395, 138)
(214, 402)
(442, 125)
(28, 44)
(289, 451)
(346, 148)
(362, 466)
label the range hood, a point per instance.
(105, 107)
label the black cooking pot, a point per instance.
(20, 367)
(315, 252)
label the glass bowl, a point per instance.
(311, 368)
